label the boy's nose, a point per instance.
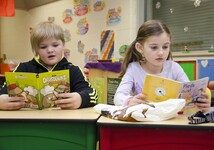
(50, 49)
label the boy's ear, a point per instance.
(139, 47)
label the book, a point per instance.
(40, 89)
(160, 89)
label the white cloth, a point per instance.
(162, 111)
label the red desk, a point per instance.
(174, 134)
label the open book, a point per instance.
(160, 89)
(38, 89)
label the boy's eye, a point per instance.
(55, 45)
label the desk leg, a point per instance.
(105, 139)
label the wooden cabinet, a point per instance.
(104, 78)
(100, 81)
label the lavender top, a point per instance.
(133, 80)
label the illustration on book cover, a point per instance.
(160, 89)
(39, 90)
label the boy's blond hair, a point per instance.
(45, 30)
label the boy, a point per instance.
(47, 41)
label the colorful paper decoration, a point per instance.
(81, 7)
(107, 44)
(99, 5)
(80, 46)
(67, 35)
(91, 55)
(7, 8)
(67, 16)
(66, 53)
(113, 17)
(82, 26)
(122, 51)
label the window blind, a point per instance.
(191, 25)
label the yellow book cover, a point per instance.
(159, 89)
(38, 89)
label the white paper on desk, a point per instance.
(142, 112)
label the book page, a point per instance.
(193, 89)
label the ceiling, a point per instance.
(29, 4)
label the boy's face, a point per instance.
(50, 51)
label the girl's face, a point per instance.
(50, 51)
(156, 49)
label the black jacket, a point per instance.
(78, 81)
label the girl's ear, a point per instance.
(139, 47)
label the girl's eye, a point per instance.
(154, 47)
(165, 47)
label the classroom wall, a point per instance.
(15, 42)
(15, 30)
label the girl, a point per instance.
(150, 53)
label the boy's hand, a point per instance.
(11, 103)
(68, 100)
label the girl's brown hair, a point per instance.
(148, 29)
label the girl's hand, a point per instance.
(68, 100)
(11, 103)
(137, 99)
(204, 103)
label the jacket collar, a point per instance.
(61, 63)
